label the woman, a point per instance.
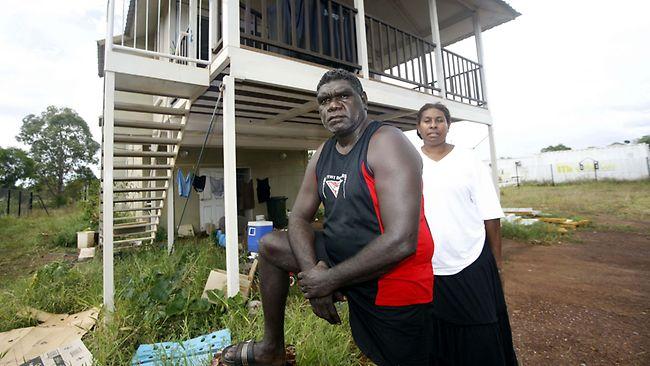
(470, 318)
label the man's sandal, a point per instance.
(244, 355)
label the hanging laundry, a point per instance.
(184, 183)
(216, 186)
(263, 190)
(249, 197)
(199, 183)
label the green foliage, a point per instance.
(558, 147)
(537, 233)
(644, 140)
(90, 205)
(15, 166)
(624, 199)
(161, 234)
(61, 145)
(28, 241)
(158, 298)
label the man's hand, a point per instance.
(324, 308)
(317, 282)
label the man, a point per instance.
(376, 248)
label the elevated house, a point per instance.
(165, 63)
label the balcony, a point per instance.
(321, 32)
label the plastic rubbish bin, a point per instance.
(277, 211)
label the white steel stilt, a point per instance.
(170, 216)
(107, 189)
(230, 185)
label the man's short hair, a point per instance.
(340, 74)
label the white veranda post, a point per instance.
(362, 50)
(479, 53)
(435, 34)
(230, 185)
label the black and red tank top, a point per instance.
(346, 187)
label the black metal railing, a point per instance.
(400, 55)
(463, 79)
(319, 31)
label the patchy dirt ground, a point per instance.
(584, 302)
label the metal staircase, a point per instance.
(146, 138)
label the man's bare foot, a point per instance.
(262, 354)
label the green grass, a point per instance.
(537, 233)
(27, 242)
(158, 295)
(622, 200)
(608, 205)
(158, 299)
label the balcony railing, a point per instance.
(399, 55)
(174, 30)
(463, 79)
(319, 31)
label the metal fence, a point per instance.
(18, 202)
(514, 172)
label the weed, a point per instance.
(158, 298)
(537, 233)
(622, 200)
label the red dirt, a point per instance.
(584, 302)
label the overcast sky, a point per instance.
(572, 72)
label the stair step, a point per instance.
(137, 199)
(141, 167)
(155, 94)
(146, 189)
(143, 154)
(131, 240)
(141, 178)
(133, 225)
(134, 233)
(145, 140)
(132, 123)
(143, 108)
(132, 218)
(154, 208)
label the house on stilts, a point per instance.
(165, 63)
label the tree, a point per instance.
(61, 145)
(15, 166)
(644, 140)
(558, 147)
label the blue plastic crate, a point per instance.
(193, 352)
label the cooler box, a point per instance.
(256, 230)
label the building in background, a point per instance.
(619, 162)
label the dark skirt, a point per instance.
(470, 317)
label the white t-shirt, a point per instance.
(458, 196)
